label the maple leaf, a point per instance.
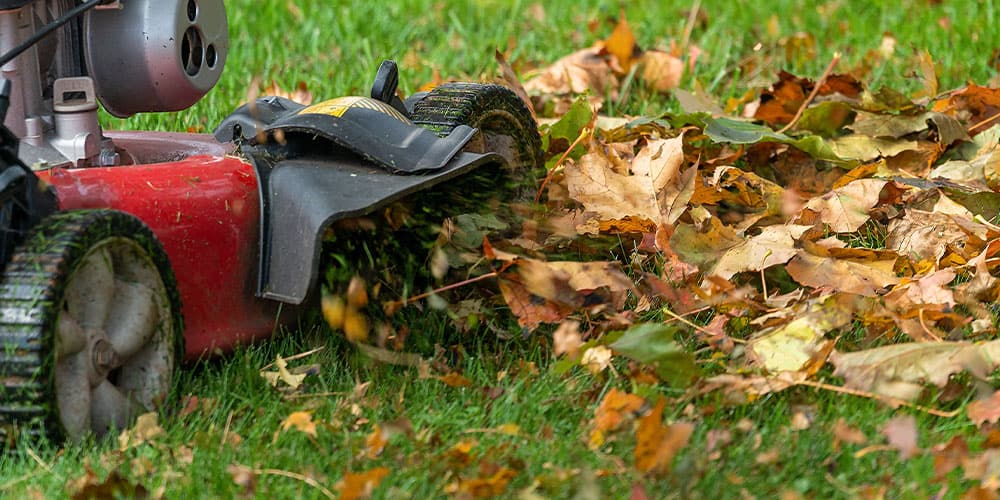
(483, 487)
(704, 244)
(922, 235)
(984, 410)
(301, 421)
(900, 370)
(846, 208)
(655, 191)
(577, 73)
(660, 70)
(657, 444)
(791, 346)
(773, 246)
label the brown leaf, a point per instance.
(843, 432)
(513, 82)
(361, 485)
(657, 444)
(655, 191)
(846, 208)
(145, 429)
(900, 370)
(971, 105)
(299, 94)
(860, 277)
(566, 339)
(923, 235)
(902, 435)
(582, 71)
(114, 485)
(773, 246)
(984, 410)
(661, 71)
(950, 455)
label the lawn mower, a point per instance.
(125, 253)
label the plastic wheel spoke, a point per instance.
(70, 337)
(73, 395)
(110, 408)
(89, 294)
(133, 318)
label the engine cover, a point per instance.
(155, 55)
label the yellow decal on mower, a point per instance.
(337, 107)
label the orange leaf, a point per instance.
(656, 444)
(622, 45)
(612, 411)
(355, 486)
(483, 487)
(376, 441)
(301, 421)
(455, 379)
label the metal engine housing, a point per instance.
(155, 55)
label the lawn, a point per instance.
(501, 414)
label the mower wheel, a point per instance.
(505, 124)
(90, 327)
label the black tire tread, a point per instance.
(484, 106)
(30, 298)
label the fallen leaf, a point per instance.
(846, 208)
(653, 344)
(354, 486)
(301, 421)
(844, 433)
(949, 456)
(860, 276)
(900, 370)
(614, 409)
(300, 93)
(984, 410)
(113, 486)
(773, 246)
(660, 70)
(596, 359)
(455, 379)
(566, 339)
(145, 429)
(791, 346)
(901, 432)
(283, 375)
(658, 444)
(483, 487)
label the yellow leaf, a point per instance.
(656, 444)
(333, 308)
(455, 379)
(622, 45)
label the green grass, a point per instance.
(334, 47)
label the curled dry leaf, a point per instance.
(283, 375)
(661, 70)
(145, 429)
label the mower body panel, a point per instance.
(205, 210)
(304, 196)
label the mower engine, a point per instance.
(132, 56)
